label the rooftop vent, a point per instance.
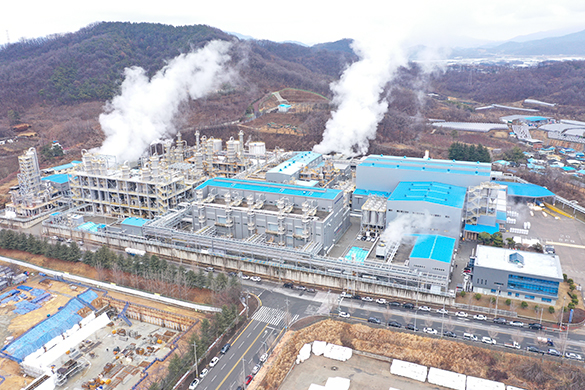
(517, 259)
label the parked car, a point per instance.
(574, 356)
(357, 296)
(311, 290)
(345, 294)
(374, 320)
(553, 352)
(255, 369)
(430, 331)
(535, 326)
(256, 279)
(424, 308)
(248, 379)
(344, 314)
(479, 317)
(442, 311)
(411, 327)
(488, 340)
(408, 305)
(519, 324)
(231, 274)
(203, 373)
(288, 285)
(532, 348)
(448, 333)
(213, 362)
(395, 324)
(394, 303)
(245, 277)
(381, 301)
(194, 384)
(461, 314)
(301, 288)
(469, 336)
(500, 320)
(367, 299)
(263, 358)
(225, 348)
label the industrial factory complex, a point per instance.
(381, 225)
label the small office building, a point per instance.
(527, 276)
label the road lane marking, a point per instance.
(244, 354)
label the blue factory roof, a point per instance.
(430, 246)
(133, 221)
(535, 118)
(65, 166)
(428, 165)
(294, 164)
(275, 188)
(362, 192)
(60, 178)
(527, 190)
(426, 191)
(482, 228)
(501, 216)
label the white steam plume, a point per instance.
(360, 106)
(145, 109)
(404, 225)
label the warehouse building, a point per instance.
(440, 204)
(290, 170)
(517, 274)
(432, 254)
(382, 174)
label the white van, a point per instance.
(469, 336)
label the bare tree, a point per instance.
(351, 307)
(387, 313)
(540, 339)
(517, 337)
(449, 324)
(407, 317)
(493, 333)
(428, 322)
(118, 274)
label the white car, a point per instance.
(442, 311)
(343, 314)
(346, 295)
(194, 384)
(203, 373)
(256, 279)
(572, 355)
(255, 369)
(245, 277)
(461, 314)
(367, 299)
(519, 324)
(213, 362)
(424, 308)
(263, 358)
(488, 340)
(430, 331)
(381, 301)
(480, 317)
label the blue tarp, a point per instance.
(9, 294)
(45, 331)
(35, 292)
(88, 296)
(24, 288)
(25, 307)
(40, 298)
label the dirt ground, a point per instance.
(363, 372)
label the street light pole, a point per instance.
(195, 350)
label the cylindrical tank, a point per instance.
(257, 148)
(231, 150)
(216, 145)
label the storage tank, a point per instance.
(216, 145)
(257, 148)
(231, 149)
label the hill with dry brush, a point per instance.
(512, 369)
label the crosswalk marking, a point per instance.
(272, 316)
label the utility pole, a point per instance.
(243, 370)
(195, 351)
(247, 306)
(497, 297)
(287, 315)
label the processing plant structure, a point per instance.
(300, 216)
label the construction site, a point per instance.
(63, 334)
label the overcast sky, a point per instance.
(305, 21)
